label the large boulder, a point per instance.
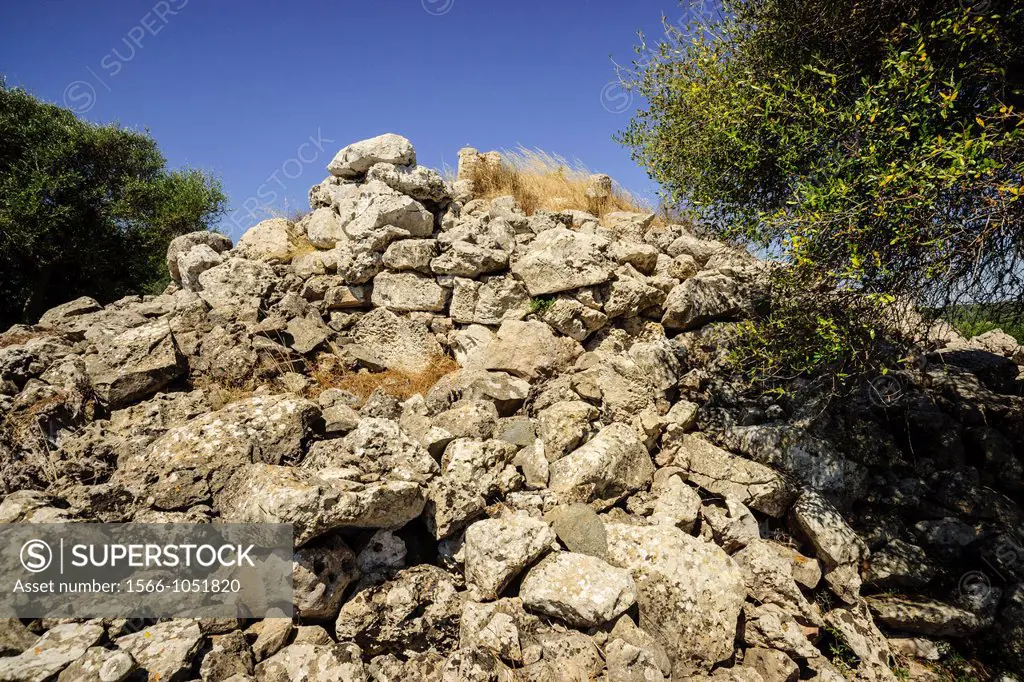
(239, 286)
(731, 476)
(561, 260)
(709, 297)
(689, 592)
(497, 550)
(525, 349)
(396, 342)
(135, 364)
(578, 589)
(180, 246)
(409, 291)
(189, 462)
(613, 463)
(359, 157)
(317, 502)
(274, 240)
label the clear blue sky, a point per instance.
(238, 87)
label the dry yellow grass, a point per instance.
(543, 181)
(362, 384)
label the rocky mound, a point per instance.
(572, 491)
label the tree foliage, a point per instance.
(86, 209)
(874, 145)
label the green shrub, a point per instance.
(877, 148)
(86, 209)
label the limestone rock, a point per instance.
(422, 184)
(136, 364)
(836, 544)
(99, 665)
(525, 349)
(164, 650)
(579, 589)
(321, 573)
(612, 463)
(723, 473)
(562, 260)
(411, 254)
(408, 291)
(921, 616)
(397, 342)
(316, 503)
(274, 240)
(690, 593)
(497, 550)
(51, 653)
(313, 663)
(182, 245)
(238, 285)
(359, 157)
(415, 611)
(709, 297)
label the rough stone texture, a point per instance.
(99, 665)
(579, 589)
(525, 349)
(321, 573)
(723, 473)
(51, 653)
(411, 254)
(313, 663)
(182, 245)
(416, 610)
(164, 650)
(497, 550)
(207, 450)
(238, 285)
(359, 157)
(702, 299)
(690, 593)
(408, 291)
(136, 364)
(612, 463)
(492, 301)
(273, 240)
(396, 342)
(195, 262)
(920, 616)
(836, 545)
(561, 260)
(580, 529)
(316, 503)
(323, 228)
(422, 184)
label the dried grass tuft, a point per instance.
(540, 180)
(397, 383)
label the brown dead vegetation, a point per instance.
(397, 383)
(543, 181)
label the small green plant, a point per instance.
(901, 673)
(541, 304)
(842, 656)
